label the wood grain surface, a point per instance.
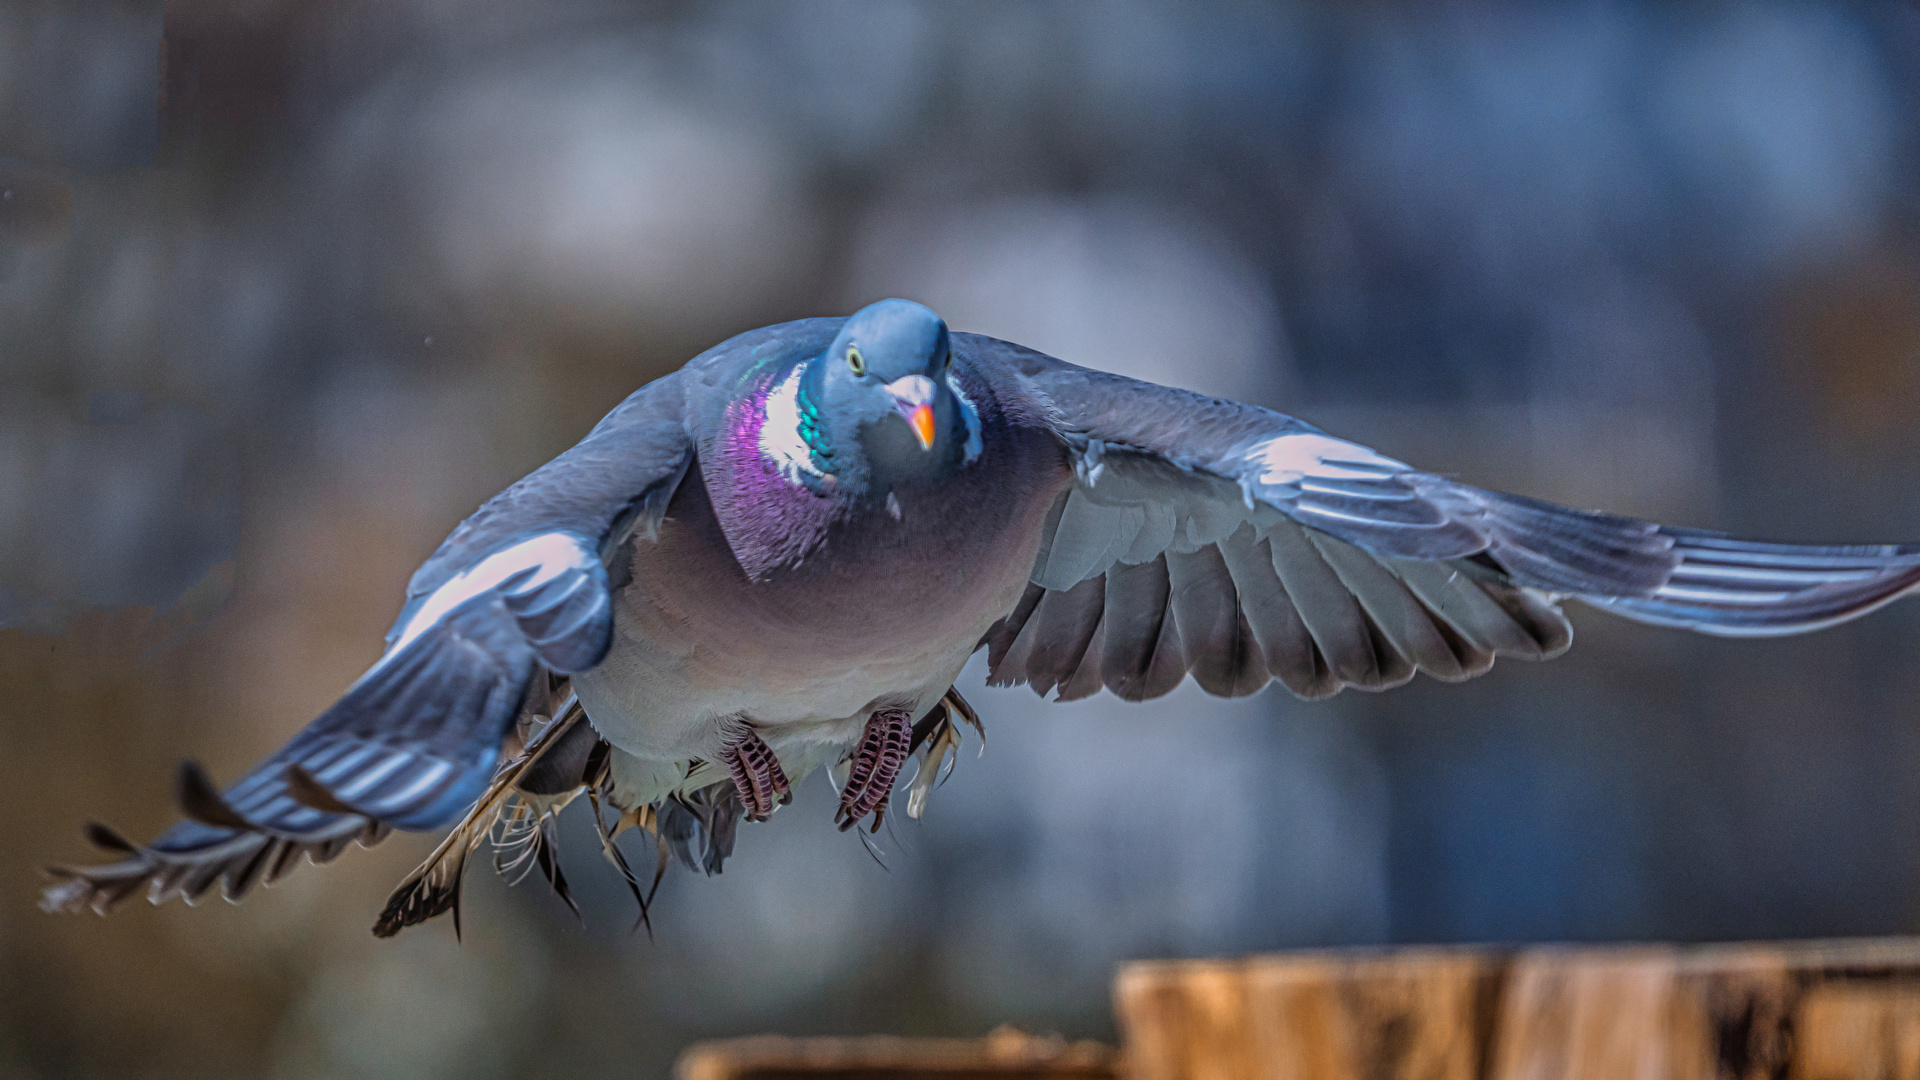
(1845, 1010)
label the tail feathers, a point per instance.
(408, 746)
(1744, 588)
(567, 759)
(518, 812)
(699, 827)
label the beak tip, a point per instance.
(921, 421)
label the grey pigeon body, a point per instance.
(778, 559)
(805, 648)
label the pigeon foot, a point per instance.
(757, 774)
(876, 763)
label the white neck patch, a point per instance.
(970, 415)
(780, 440)
(782, 444)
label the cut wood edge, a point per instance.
(1006, 1052)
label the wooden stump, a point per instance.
(1418, 1013)
(1802, 1011)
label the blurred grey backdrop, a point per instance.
(288, 286)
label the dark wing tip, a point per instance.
(190, 859)
(99, 889)
(200, 799)
(411, 742)
(1743, 588)
(308, 791)
(103, 837)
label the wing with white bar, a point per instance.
(518, 591)
(1240, 545)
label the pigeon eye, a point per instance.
(855, 361)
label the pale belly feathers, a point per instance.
(803, 656)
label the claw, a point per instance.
(876, 763)
(757, 775)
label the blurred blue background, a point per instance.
(288, 286)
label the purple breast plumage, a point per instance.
(771, 517)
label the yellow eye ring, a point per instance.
(855, 361)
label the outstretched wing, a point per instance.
(1238, 544)
(520, 588)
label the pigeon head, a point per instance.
(885, 408)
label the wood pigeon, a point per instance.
(778, 558)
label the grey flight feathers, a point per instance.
(778, 558)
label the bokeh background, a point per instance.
(287, 287)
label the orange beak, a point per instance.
(914, 395)
(920, 419)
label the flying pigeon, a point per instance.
(777, 560)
